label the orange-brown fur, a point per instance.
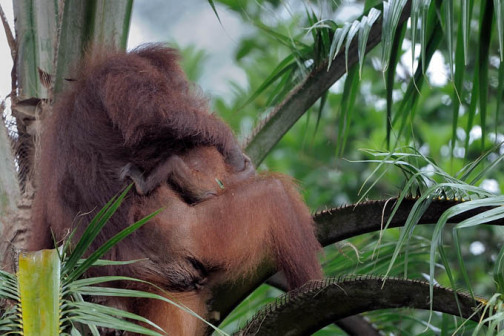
(248, 222)
(135, 107)
(189, 174)
(138, 108)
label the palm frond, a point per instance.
(391, 14)
(449, 187)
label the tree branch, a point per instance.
(303, 96)
(341, 223)
(8, 34)
(318, 304)
(334, 225)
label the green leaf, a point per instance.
(87, 312)
(39, 290)
(495, 163)
(471, 112)
(354, 28)
(480, 81)
(323, 101)
(479, 219)
(467, 6)
(424, 15)
(392, 60)
(415, 15)
(212, 4)
(364, 28)
(286, 65)
(75, 285)
(500, 95)
(391, 13)
(407, 107)
(93, 229)
(120, 292)
(293, 44)
(499, 271)
(338, 38)
(449, 23)
(457, 85)
(484, 50)
(499, 18)
(350, 91)
(79, 270)
(101, 262)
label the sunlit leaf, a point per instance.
(391, 13)
(467, 6)
(39, 291)
(337, 41)
(415, 15)
(424, 15)
(448, 28)
(364, 28)
(354, 29)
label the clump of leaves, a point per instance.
(436, 184)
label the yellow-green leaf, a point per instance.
(39, 289)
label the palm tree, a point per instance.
(311, 65)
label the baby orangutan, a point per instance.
(190, 174)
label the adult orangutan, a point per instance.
(135, 108)
(136, 115)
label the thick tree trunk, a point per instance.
(50, 38)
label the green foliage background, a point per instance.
(446, 126)
(332, 176)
